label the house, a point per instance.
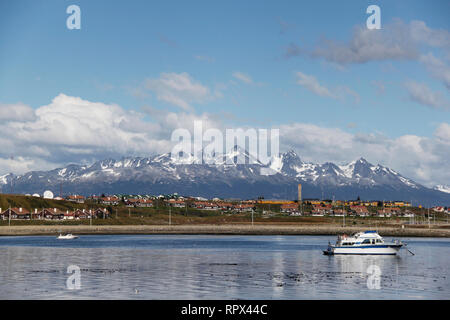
(142, 203)
(244, 207)
(204, 205)
(321, 209)
(361, 211)
(313, 201)
(69, 215)
(317, 212)
(52, 214)
(81, 214)
(100, 213)
(110, 201)
(384, 213)
(339, 212)
(210, 206)
(95, 198)
(198, 204)
(225, 206)
(391, 211)
(131, 202)
(145, 203)
(289, 208)
(176, 203)
(408, 214)
(402, 204)
(76, 198)
(16, 213)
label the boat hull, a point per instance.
(367, 250)
(67, 237)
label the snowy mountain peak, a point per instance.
(6, 178)
(442, 188)
(362, 161)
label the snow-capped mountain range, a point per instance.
(443, 188)
(225, 177)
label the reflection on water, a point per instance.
(216, 267)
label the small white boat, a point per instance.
(367, 243)
(68, 236)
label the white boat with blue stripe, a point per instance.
(366, 243)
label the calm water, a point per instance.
(217, 267)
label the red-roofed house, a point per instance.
(76, 198)
(110, 201)
(289, 208)
(52, 214)
(361, 211)
(16, 213)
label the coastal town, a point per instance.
(104, 206)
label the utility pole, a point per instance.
(344, 214)
(170, 216)
(252, 217)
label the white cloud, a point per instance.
(74, 130)
(17, 111)
(178, 89)
(425, 160)
(437, 68)
(312, 84)
(422, 94)
(293, 50)
(421, 33)
(71, 129)
(243, 77)
(21, 165)
(204, 58)
(442, 133)
(395, 41)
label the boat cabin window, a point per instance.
(379, 241)
(366, 241)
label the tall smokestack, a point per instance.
(299, 192)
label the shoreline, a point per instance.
(209, 229)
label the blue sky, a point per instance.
(237, 55)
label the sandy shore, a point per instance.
(260, 229)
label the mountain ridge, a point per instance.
(235, 174)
